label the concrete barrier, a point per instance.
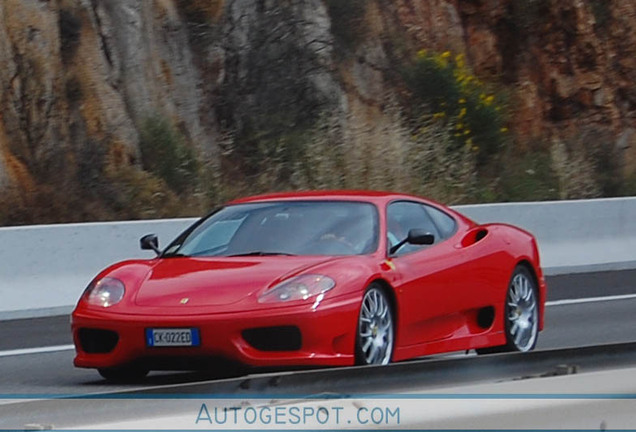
(44, 269)
(573, 236)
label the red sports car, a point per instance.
(315, 278)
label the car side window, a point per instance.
(403, 216)
(445, 224)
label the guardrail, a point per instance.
(44, 268)
(575, 388)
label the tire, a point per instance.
(127, 374)
(375, 332)
(521, 314)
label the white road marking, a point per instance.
(38, 350)
(590, 300)
(56, 348)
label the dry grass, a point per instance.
(385, 155)
(575, 173)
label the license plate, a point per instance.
(172, 337)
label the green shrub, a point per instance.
(443, 86)
(529, 177)
(165, 154)
(629, 185)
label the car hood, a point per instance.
(197, 282)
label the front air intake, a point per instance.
(281, 338)
(97, 341)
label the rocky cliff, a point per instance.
(114, 109)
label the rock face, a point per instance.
(573, 60)
(278, 59)
(278, 71)
(80, 77)
(90, 71)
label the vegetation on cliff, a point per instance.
(154, 109)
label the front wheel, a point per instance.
(375, 332)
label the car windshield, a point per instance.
(283, 228)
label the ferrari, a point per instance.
(314, 279)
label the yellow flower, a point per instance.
(441, 62)
(462, 101)
(459, 60)
(489, 100)
(446, 54)
(503, 129)
(462, 113)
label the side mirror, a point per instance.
(150, 242)
(420, 237)
(416, 237)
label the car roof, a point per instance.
(376, 197)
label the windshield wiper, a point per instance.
(260, 253)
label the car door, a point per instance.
(428, 305)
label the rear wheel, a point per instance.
(123, 374)
(521, 314)
(375, 332)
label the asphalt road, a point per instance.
(568, 324)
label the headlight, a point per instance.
(105, 292)
(298, 288)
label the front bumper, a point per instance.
(327, 336)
